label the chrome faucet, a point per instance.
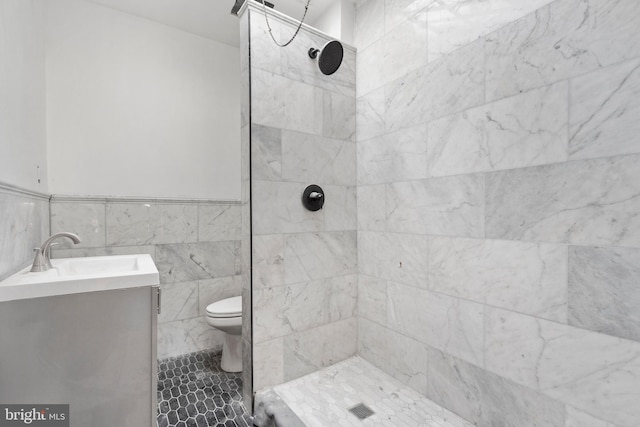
(42, 261)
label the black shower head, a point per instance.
(330, 57)
(236, 7)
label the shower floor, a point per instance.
(194, 392)
(324, 398)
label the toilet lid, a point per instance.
(230, 307)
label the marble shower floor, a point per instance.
(323, 398)
(194, 392)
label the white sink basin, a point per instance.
(78, 275)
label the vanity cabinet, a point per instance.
(95, 351)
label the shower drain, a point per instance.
(361, 411)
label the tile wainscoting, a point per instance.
(195, 245)
(24, 225)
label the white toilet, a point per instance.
(226, 315)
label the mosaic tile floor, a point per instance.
(194, 392)
(323, 398)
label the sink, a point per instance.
(78, 275)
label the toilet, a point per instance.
(226, 315)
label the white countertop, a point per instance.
(79, 275)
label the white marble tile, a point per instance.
(280, 209)
(150, 223)
(339, 116)
(369, 23)
(307, 351)
(593, 372)
(264, 53)
(605, 106)
(268, 261)
(87, 220)
(452, 84)
(372, 299)
(245, 100)
(340, 207)
(526, 277)
(446, 323)
(451, 206)
(193, 261)
(284, 103)
(104, 251)
(398, 257)
(268, 364)
(219, 222)
(283, 310)
(370, 69)
(213, 290)
(185, 336)
(309, 158)
(454, 24)
(179, 301)
(564, 39)
(524, 130)
(398, 11)
(604, 295)
(310, 256)
(245, 164)
(323, 398)
(24, 226)
(266, 153)
(487, 399)
(402, 357)
(591, 202)
(371, 212)
(370, 115)
(396, 156)
(404, 48)
(577, 418)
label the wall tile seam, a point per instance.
(347, 92)
(568, 161)
(301, 132)
(307, 282)
(568, 79)
(123, 200)
(305, 330)
(317, 231)
(321, 132)
(497, 239)
(483, 303)
(304, 183)
(298, 233)
(166, 322)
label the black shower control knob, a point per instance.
(313, 198)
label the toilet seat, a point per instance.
(230, 307)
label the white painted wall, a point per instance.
(22, 95)
(137, 108)
(338, 20)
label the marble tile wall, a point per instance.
(24, 225)
(302, 126)
(195, 245)
(497, 206)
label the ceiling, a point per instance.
(208, 18)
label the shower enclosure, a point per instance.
(490, 259)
